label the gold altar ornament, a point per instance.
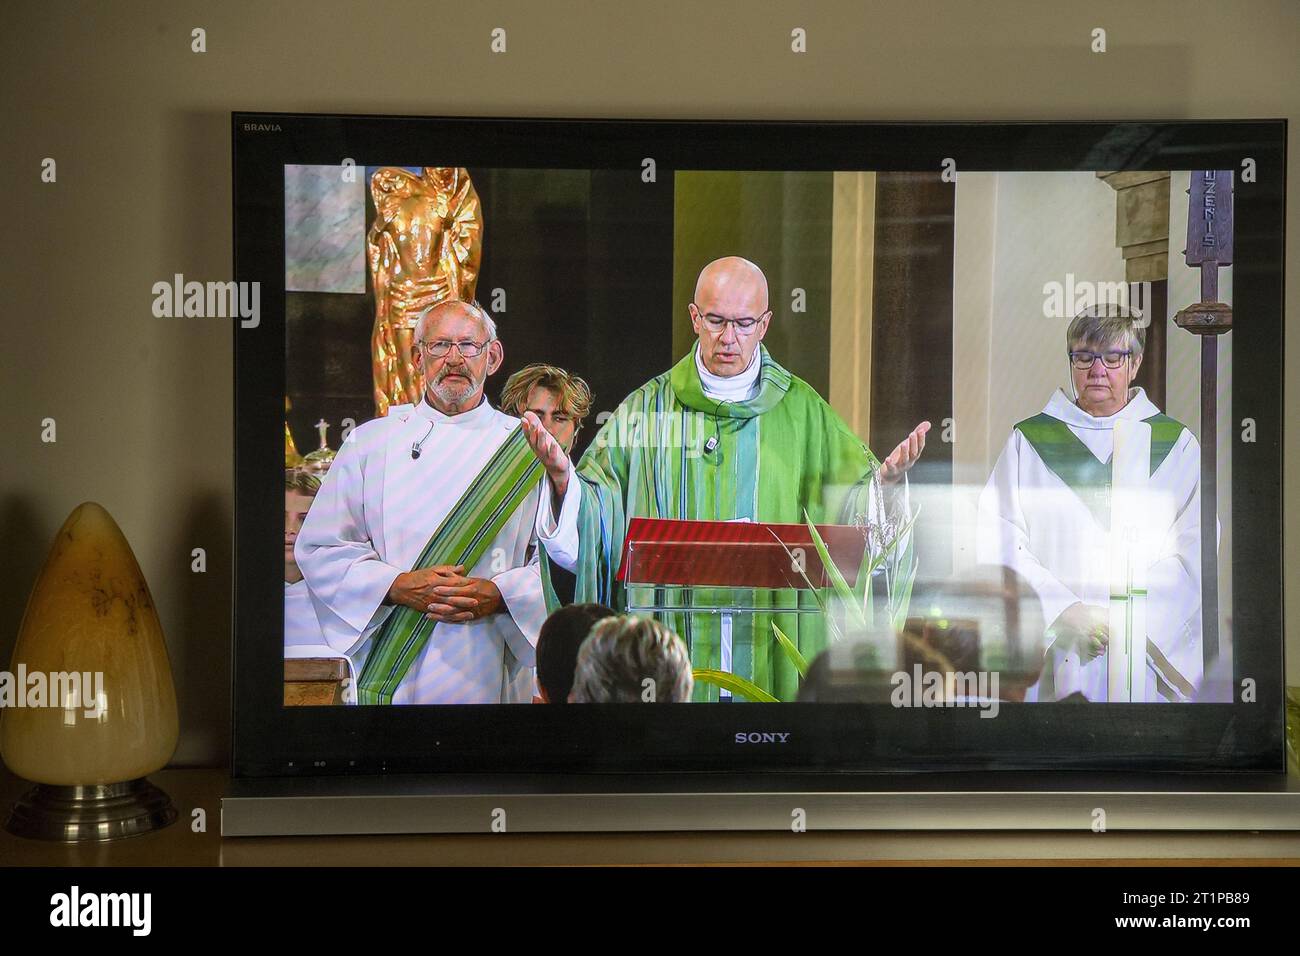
(424, 248)
(318, 462)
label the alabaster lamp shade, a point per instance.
(89, 740)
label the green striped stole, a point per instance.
(462, 538)
(1067, 457)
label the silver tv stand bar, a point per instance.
(610, 803)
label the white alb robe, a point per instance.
(303, 637)
(1033, 523)
(373, 515)
(302, 631)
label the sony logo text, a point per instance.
(767, 737)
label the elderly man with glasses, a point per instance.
(1046, 514)
(726, 434)
(419, 552)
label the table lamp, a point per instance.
(89, 709)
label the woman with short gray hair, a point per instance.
(629, 659)
(1046, 514)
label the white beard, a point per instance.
(452, 395)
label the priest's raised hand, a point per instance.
(548, 452)
(904, 455)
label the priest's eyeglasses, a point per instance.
(718, 324)
(1084, 360)
(466, 348)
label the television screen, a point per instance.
(888, 438)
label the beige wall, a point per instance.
(139, 127)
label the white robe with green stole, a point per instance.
(1048, 520)
(376, 510)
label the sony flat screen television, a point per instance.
(869, 449)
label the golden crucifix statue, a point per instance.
(424, 248)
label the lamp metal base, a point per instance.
(92, 813)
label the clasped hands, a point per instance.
(1083, 629)
(445, 595)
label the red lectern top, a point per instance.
(743, 554)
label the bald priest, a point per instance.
(766, 448)
(419, 553)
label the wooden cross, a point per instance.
(1209, 247)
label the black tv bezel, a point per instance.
(273, 740)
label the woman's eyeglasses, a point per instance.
(1084, 360)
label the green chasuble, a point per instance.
(777, 454)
